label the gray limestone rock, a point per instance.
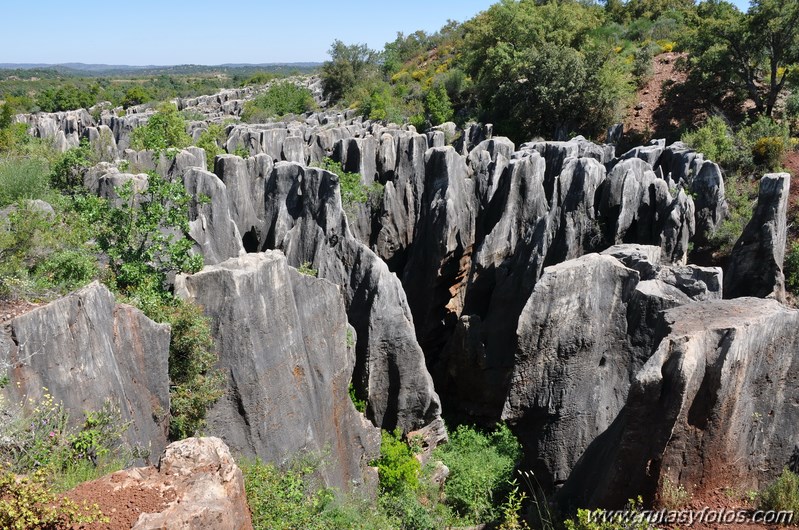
(402, 202)
(282, 341)
(84, 349)
(755, 264)
(573, 364)
(437, 270)
(306, 220)
(244, 181)
(707, 187)
(211, 226)
(714, 406)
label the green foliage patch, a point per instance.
(280, 99)
(166, 129)
(782, 494)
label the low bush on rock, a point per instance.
(278, 100)
(166, 129)
(353, 192)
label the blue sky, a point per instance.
(212, 32)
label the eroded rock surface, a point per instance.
(84, 349)
(282, 341)
(755, 264)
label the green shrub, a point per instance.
(352, 190)
(713, 139)
(196, 385)
(34, 245)
(211, 140)
(306, 269)
(783, 494)
(23, 178)
(277, 101)
(792, 267)
(741, 197)
(38, 438)
(166, 129)
(67, 173)
(768, 152)
(68, 269)
(481, 469)
(146, 235)
(291, 498)
(643, 69)
(360, 404)
(397, 467)
(438, 105)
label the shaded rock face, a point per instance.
(244, 180)
(303, 211)
(436, 273)
(83, 349)
(211, 226)
(588, 328)
(197, 481)
(282, 341)
(573, 367)
(713, 406)
(755, 264)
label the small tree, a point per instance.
(348, 65)
(164, 130)
(438, 105)
(750, 53)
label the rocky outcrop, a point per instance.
(210, 224)
(573, 363)
(713, 406)
(195, 485)
(437, 270)
(306, 220)
(244, 181)
(755, 264)
(708, 189)
(84, 349)
(404, 177)
(585, 332)
(282, 340)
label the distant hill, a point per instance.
(83, 69)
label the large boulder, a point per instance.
(282, 340)
(714, 406)
(195, 485)
(573, 362)
(84, 349)
(755, 264)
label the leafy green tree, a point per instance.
(135, 96)
(66, 97)
(164, 130)
(348, 65)
(540, 70)
(145, 236)
(749, 54)
(438, 104)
